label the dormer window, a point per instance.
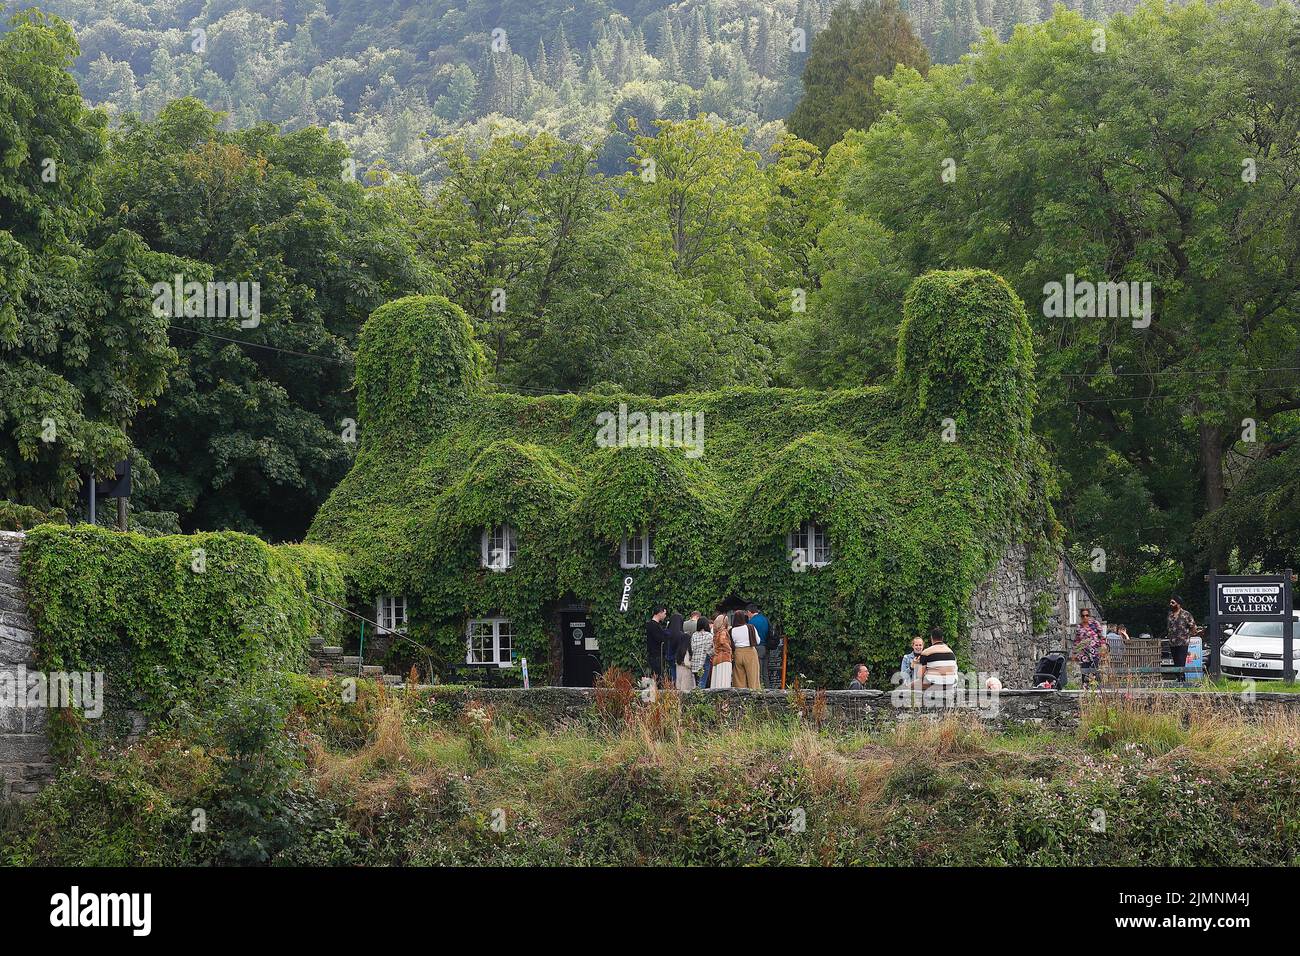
(637, 550)
(499, 548)
(810, 545)
(390, 614)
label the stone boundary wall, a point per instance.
(25, 760)
(873, 709)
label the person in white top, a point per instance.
(744, 671)
(937, 665)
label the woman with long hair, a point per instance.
(679, 645)
(721, 676)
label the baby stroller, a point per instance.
(1050, 673)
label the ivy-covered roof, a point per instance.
(921, 486)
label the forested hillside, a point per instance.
(382, 76)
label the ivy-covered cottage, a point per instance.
(491, 526)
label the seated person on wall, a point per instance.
(937, 665)
(908, 667)
(860, 677)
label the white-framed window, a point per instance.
(638, 550)
(390, 613)
(499, 547)
(810, 544)
(490, 640)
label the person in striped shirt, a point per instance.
(937, 664)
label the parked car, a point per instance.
(1254, 650)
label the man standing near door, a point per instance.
(656, 641)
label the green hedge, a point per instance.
(137, 609)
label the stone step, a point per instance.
(372, 670)
(332, 651)
(316, 642)
(351, 660)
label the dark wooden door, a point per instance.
(581, 648)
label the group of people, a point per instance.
(1094, 642)
(693, 651)
(921, 668)
(730, 650)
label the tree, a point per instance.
(857, 46)
(251, 431)
(667, 53)
(82, 350)
(1163, 159)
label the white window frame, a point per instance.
(806, 539)
(390, 613)
(644, 542)
(508, 540)
(491, 649)
(1073, 600)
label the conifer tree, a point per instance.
(857, 46)
(541, 64)
(667, 53)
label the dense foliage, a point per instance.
(1158, 150)
(259, 411)
(382, 76)
(658, 258)
(917, 517)
(166, 619)
(676, 276)
(80, 350)
(297, 777)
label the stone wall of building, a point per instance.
(25, 760)
(1003, 638)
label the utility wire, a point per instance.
(259, 345)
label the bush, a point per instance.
(166, 618)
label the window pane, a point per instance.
(480, 642)
(821, 545)
(650, 549)
(505, 641)
(499, 547)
